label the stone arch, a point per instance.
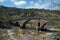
(24, 24)
(26, 21)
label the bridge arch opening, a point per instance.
(31, 24)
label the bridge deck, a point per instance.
(29, 18)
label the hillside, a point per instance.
(9, 13)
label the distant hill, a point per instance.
(12, 11)
(9, 13)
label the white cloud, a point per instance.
(32, 2)
(18, 3)
(39, 6)
(56, 8)
(40, 1)
(36, 4)
(3, 0)
(13, 0)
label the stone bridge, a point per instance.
(35, 22)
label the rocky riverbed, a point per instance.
(30, 35)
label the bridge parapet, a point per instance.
(27, 18)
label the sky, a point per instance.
(38, 4)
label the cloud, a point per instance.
(3, 0)
(13, 0)
(18, 3)
(36, 4)
(55, 5)
(39, 6)
(40, 1)
(32, 2)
